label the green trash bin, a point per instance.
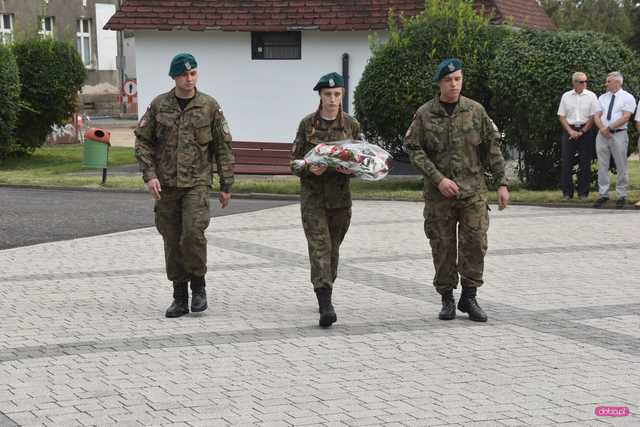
(96, 150)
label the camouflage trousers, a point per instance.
(325, 229)
(182, 216)
(457, 233)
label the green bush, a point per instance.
(51, 74)
(9, 99)
(398, 78)
(531, 71)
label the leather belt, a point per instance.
(618, 130)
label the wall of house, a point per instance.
(101, 88)
(66, 14)
(263, 100)
(129, 47)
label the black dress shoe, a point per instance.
(620, 203)
(180, 305)
(448, 311)
(601, 201)
(198, 295)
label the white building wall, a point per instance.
(107, 40)
(129, 46)
(263, 100)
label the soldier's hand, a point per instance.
(153, 186)
(503, 197)
(344, 170)
(317, 169)
(448, 188)
(224, 199)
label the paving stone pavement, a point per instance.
(84, 340)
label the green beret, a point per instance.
(447, 66)
(329, 80)
(181, 63)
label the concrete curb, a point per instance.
(295, 197)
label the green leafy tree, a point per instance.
(634, 40)
(9, 99)
(531, 71)
(399, 76)
(52, 74)
(604, 16)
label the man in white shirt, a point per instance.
(575, 112)
(614, 111)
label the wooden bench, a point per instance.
(261, 158)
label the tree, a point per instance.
(9, 99)
(530, 72)
(634, 40)
(399, 76)
(52, 74)
(603, 16)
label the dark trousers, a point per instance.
(583, 146)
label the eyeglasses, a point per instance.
(581, 81)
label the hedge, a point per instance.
(52, 74)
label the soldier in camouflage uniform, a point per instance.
(325, 193)
(179, 140)
(453, 142)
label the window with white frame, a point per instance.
(46, 26)
(6, 28)
(83, 40)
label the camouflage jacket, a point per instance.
(461, 147)
(180, 148)
(331, 189)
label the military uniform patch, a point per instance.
(187, 65)
(143, 121)
(451, 67)
(332, 83)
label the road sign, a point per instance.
(130, 88)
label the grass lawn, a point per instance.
(56, 165)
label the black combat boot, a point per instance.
(330, 292)
(198, 295)
(327, 312)
(448, 311)
(180, 305)
(469, 305)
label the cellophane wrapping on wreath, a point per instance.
(366, 161)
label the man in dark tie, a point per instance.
(614, 111)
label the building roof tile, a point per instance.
(286, 15)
